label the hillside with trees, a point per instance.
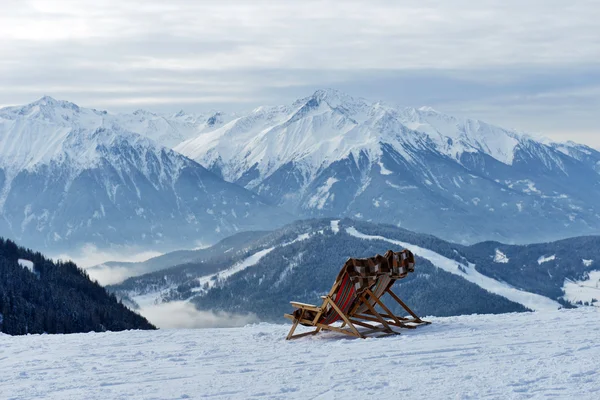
(38, 295)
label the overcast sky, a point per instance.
(531, 65)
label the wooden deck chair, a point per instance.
(341, 298)
(353, 299)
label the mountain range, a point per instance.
(71, 176)
(332, 155)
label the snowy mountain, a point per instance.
(170, 130)
(299, 261)
(511, 356)
(465, 180)
(70, 176)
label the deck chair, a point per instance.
(354, 296)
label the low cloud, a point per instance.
(184, 315)
(90, 256)
(111, 275)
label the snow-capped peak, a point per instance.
(329, 125)
(336, 100)
(142, 112)
(45, 100)
(49, 101)
(455, 136)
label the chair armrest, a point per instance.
(305, 306)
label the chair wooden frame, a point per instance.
(371, 314)
(362, 313)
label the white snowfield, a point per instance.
(544, 259)
(586, 290)
(532, 301)
(510, 356)
(26, 264)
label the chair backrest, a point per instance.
(382, 283)
(344, 297)
(394, 266)
(358, 274)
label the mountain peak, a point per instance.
(328, 93)
(142, 112)
(335, 99)
(46, 100)
(428, 109)
(49, 102)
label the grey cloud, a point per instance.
(521, 64)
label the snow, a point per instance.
(335, 226)
(61, 134)
(26, 264)
(500, 257)
(585, 290)
(530, 300)
(328, 126)
(383, 170)
(240, 266)
(248, 262)
(544, 259)
(454, 136)
(52, 130)
(398, 187)
(322, 194)
(509, 356)
(587, 263)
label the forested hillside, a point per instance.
(38, 295)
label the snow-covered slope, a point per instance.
(56, 120)
(467, 271)
(509, 356)
(584, 291)
(70, 175)
(329, 125)
(170, 130)
(334, 155)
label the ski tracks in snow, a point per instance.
(526, 355)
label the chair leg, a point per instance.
(387, 310)
(304, 334)
(411, 312)
(294, 325)
(345, 319)
(376, 314)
